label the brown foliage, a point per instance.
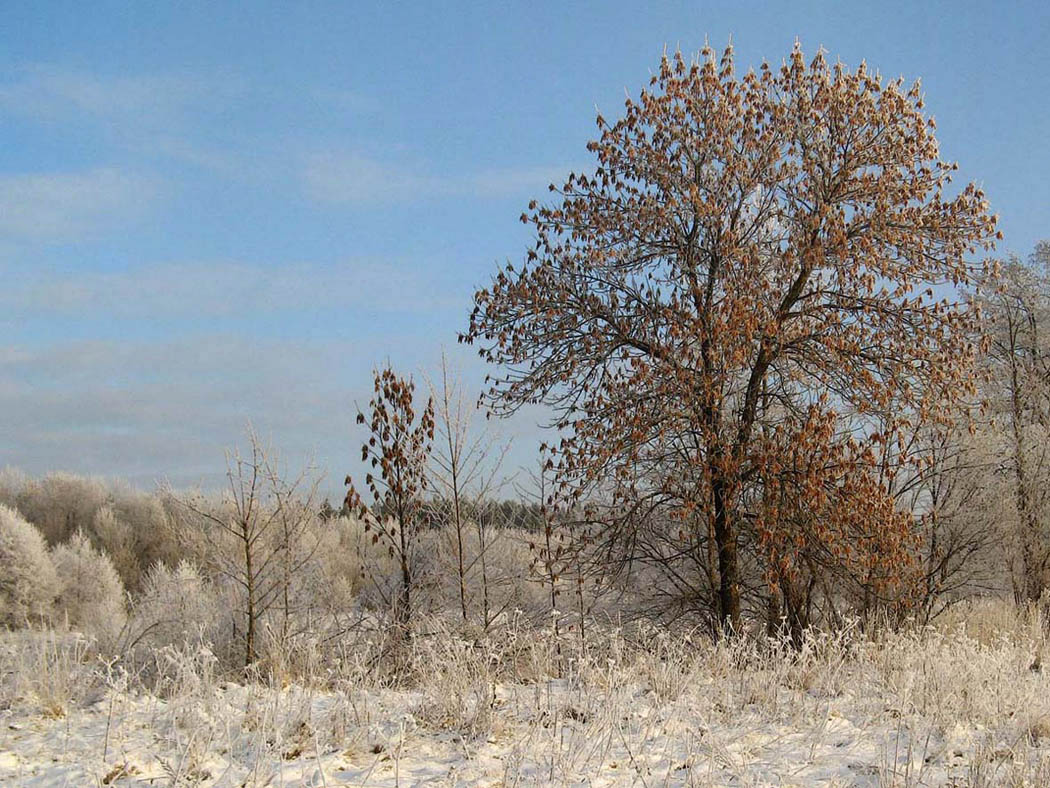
(398, 447)
(752, 256)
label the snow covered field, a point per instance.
(961, 704)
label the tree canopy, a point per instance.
(742, 304)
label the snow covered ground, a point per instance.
(930, 707)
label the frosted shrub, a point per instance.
(48, 671)
(339, 558)
(176, 607)
(91, 596)
(356, 566)
(458, 684)
(28, 583)
(331, 580)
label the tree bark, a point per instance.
(1033, 582)
(249, 571)
(728, 571)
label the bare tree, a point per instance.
(558, 559)
(957, 498)
(297, 540)
(465, 467)
(252, 535)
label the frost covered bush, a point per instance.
(175, 607)
(91, 596)
(28, 583)
(354, 567)
(142, 533)
(134, 528)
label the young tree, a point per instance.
(295, 540)
(235, 531)
(782, 237)
(398, 447)
(452, 462)
(256, 536)
(549, 561)
(464, 474)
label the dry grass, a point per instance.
(48, 671)
(955, 704)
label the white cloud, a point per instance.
(356, 179)
(223, 289)
(14, 355)
(147, 410)
(348, 101)
(359, 180)
(55, 207)
(49, 92)
(151, 114)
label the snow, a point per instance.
(929, 709)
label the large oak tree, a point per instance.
(758, 270)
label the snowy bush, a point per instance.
(176, 606)
(28, 584)
(91, 596)
(350, 565)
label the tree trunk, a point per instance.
(483, 558)
(1033, 581)
(459, 542)
(795, 615)
(404, 611)
(249, 571)
(712, 557)
(728, 572)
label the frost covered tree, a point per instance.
(12, 482)
(758, 270)
(60, 504)
(296, 540)
(1018, 362)
(28, 583)
(117, 539)
(464, 475)
(257, 536)
(91, 596)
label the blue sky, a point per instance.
(211, 213)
